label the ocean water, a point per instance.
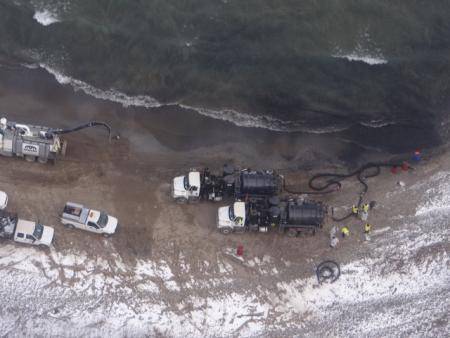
(285, 65)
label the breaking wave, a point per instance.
(355, 56)
(365, 51)
(229, 115)
(377, 123)
(45, 17)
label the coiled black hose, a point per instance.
(328, 271)
(333, 183)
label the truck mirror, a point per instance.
(194, 188)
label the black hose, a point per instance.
(83, 126)
(328, 271)
(333, 179)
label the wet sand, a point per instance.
(34, 96)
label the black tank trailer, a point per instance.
(250, 185)
(287, 215)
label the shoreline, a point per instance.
(182, 122)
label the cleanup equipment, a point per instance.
(36, 142)
(249, 184)
(289, 216)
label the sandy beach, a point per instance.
(169, 272)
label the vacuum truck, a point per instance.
(30, 142)
(35, 142)
(202, 185)
(288, 216)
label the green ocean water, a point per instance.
(319, 64)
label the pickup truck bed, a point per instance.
(75, 212)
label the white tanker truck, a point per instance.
(35, 142)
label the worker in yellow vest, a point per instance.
(345, 231)
(367, 230)
(365, 212)
(355, 210)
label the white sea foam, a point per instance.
(371, 60)
(377, 123)
(365, 51)
(229, 115)
(45, 17)
(107, 95)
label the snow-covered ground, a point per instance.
(399, 287)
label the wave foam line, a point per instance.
(228, 115)
(370, 60)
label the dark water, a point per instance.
(376, 67)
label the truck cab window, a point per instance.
(30, 237)
(20, 235)
(186, 182)
(231, 213)
(38, 231)
(102, 220)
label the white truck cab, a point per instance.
(77, 216)
(231, 218)
(33, 233)
(186, 188)
(3, 200)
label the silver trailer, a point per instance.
(31, 142)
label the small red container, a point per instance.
(240, 250)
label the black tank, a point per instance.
(305, 214)
(259, 184)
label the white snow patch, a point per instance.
(153, 269)
(361, 282)
(436, 198)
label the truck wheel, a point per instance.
(69, 226)
(42, 160)
(181, 200)
(106, 235)
(43, 247)
(30, 158)
(226, 230)
(291, 233)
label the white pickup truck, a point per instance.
(3, 200)
(27, 232)
(77, 216)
